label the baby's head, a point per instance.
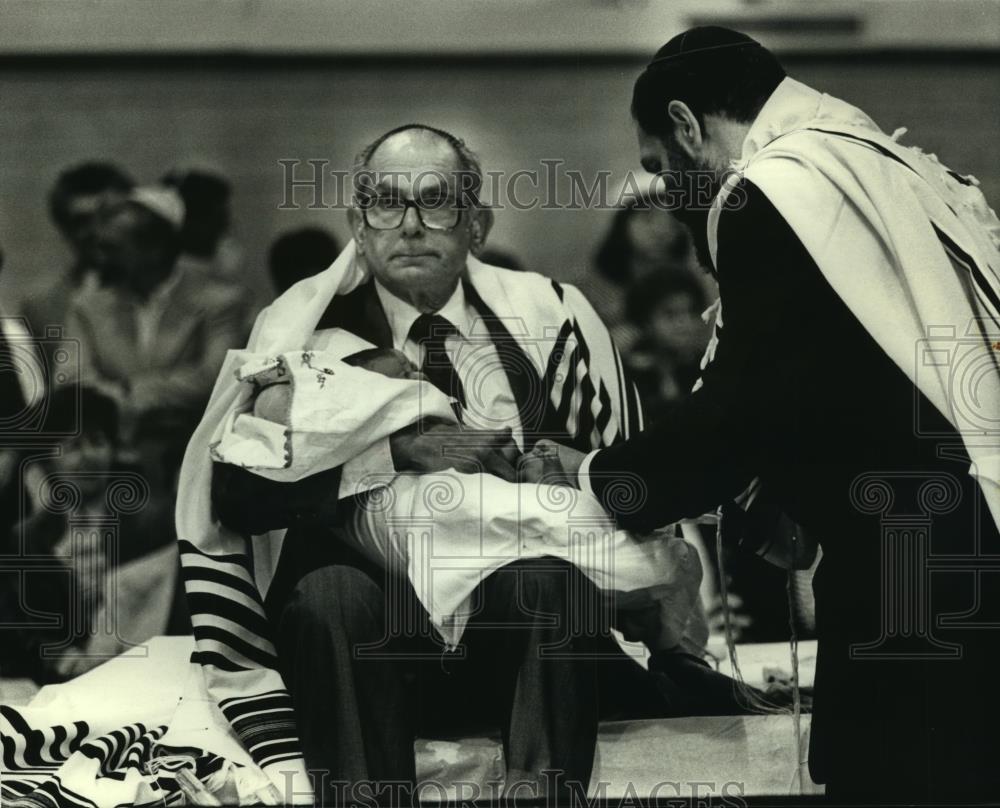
(387, 361)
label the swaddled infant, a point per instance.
(274, 400)
(447, 530)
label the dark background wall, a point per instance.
(244, 115)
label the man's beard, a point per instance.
(696, 198)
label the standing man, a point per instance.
(837, 253)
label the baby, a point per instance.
(274, 400)
(447, 531)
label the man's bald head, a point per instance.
(401, 143)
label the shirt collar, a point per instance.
(401, 315)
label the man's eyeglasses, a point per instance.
(387, 213)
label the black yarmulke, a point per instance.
(699, 40)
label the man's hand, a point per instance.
(552, 463)
(432, 444)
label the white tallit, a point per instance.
(911, 247)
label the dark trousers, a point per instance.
(536, 661)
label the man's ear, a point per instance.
(482, 223)
(357, 223)
(687, 130)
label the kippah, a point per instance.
(162, 201)
(703, 39)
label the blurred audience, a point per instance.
(207, 221)
(207, 246)
(56, 605)
(300, 254)
(666, 307)
(74, 203)
(154, 337)
(643, 240)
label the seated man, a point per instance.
(522, 357)
(153, 337)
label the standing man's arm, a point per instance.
(711, 445)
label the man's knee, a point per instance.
(547, 584)
(339, 599)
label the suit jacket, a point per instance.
(802, 396)
(202, 318)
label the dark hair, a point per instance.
(299, 254)
(206, 208)
(647, 294)
(69, 407)
(711, 69)
(85, 179)
(613, 259)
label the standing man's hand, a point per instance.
(552, 463)
(432, 444)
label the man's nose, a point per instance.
(412, 224)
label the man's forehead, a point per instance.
(415, 152)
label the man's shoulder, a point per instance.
(749, 217)
(517, 281)
(349, 311)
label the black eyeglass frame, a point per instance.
(367, 204)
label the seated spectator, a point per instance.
(665, 360)
(300, 254)
(207, 248)
(643, 240)
(155, 337)
(55, 606)
(207, 219)
(74, 202)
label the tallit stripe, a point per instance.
(222, 639)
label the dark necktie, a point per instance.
(430, 332)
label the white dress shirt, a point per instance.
(490, 402)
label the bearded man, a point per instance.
(859, 285)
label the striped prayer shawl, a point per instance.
(72, 766)
(586, 401)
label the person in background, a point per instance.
(207, 247)
(299, 254)
(74, 202)
(154, 338)
(643, 240)
(20, 391)
(56, 604)
(207, 219)
(665, 360)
